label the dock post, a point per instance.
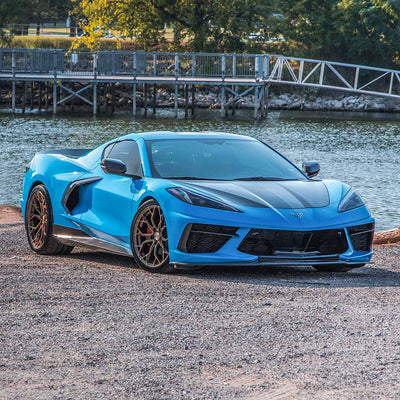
(95, 98)
(13, 96)
(145, 98)
(61, 94)
(46, 99)
(13, 66)
(154, 85)
(134, 99)
(32, 94)
(186, 100)
(24, 98)
(95, 83)
(266, 95)
(234, 88)
(40, 96)
(176, 101)
(55, 97)
(223, 100)
(256, 101)
(193, 98)
(193, 86)
(176, 84)
(55, 83)
(223, 85)
(154, 99)
(134, 84)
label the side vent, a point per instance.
(71, 196)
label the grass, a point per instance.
(60, 42)
(65, 42)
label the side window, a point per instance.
(128, 152)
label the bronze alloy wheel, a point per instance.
(37, 219)
(39, 222)
(149, 238)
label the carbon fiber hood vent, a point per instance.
(267, 194)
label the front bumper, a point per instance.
(229, 253)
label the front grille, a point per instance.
(362, 236)
(204, 238)
(264, 242)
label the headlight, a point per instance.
(199, 200)
(350, 201)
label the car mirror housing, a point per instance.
(113, 166)
(311, 168)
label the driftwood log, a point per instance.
(387, 237)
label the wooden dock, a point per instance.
(235, 75)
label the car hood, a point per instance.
(267, 194)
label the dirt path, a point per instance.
(10, 215)
(92, 325)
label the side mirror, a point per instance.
(311, 168)
(113, 166)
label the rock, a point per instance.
(377, 107)
(278, 103)
(295, 105)
(335, 105)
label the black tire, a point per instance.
(149, 239)
(336, 267)
(39, 224)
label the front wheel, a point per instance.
(336, 267)
(149, 238)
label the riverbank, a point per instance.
(118, 97)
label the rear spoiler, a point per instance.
(71, 153)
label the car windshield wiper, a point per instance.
(261, 178)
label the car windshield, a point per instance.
(218, 159)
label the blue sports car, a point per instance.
(184, 200)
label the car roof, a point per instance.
(160, 135)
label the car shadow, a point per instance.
(367, 276)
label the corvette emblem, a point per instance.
(299, 215)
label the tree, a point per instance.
(8, 14)
(359, 31)
(198, 24)
(370, 31)
(40, 11)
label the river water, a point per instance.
(360, 149)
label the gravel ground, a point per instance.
(92, 325)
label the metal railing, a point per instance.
(43, 61)
(266, 68)
(335, 76)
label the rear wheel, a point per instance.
(149, 239)
(336, 267)
(39, 224)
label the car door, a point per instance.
(111, 212)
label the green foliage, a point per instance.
(8, 13)
(65, 43)
(198, 25)
(360, 31)
(38, 11)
